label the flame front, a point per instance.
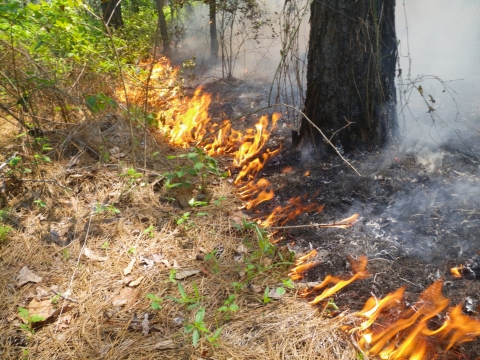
(393, 331)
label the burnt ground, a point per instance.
(418, 207)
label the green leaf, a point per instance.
(200, 315)
(280, 291)
(195, 337)
(182, 291)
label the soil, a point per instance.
(418, 207)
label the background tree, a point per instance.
(162, 24)
(213, 28)
(351, 73)
(112, 13)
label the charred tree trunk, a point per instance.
(351, 73)
(162, 24)
(112, 13)
(213, 29)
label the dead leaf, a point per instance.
(136, 282)
(175, 264)
(25, 276)
(89, 254)
(149, 263)
(145, 325)
(185, 274)
(126, 296)
(255, 288)
(129, 267)
(43, 308)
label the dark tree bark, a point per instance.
(112, 13)
(162, 24)
(213, 29)
(351, 73)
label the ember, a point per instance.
(470, 270)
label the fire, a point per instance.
(358, 266)
(294, 207)
(393, 331)
(457, 272)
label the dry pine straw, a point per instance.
(95, 328)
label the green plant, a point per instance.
(104, 154)
(149, 231)
(132, 175)
(171, 276)
(65, 254)
(99, 102)
(212, 257)
(156, 301)
(229, 306)
(264, 243)
(29, 319)
(200, 165)
(131, 251)
(4, 230)
(54, 299)
(185, 220)
(288, 283)
(111, 209)
(40, 203)
(185, 299)
(105, 245)
(266, 297)
(198, 327)
(194, 203)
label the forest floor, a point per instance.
(120, 271)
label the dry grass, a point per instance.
(49, 240)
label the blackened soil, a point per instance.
(419, 211)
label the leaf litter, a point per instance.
(90, 318)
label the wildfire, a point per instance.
(359, 268)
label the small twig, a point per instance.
(7, 161)
(64, 296)
(48, 181)
(411, 283)
(339, 225)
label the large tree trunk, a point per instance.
(351, 73)
(112, 13)
(163, 28)
(213, 29)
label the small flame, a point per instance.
(307, 173)
(457, 272)
(307, 257)
(358, 266)
(287, 170)
(297, 272)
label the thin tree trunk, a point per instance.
(213, 29)
(112, 13)
(351, 73)
(162, 24)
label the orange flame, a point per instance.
(358, 266)
(457, 272)
(404, 332)
(297, 272)
(307, 257)
(281, 215)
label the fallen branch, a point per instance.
(342, 224)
